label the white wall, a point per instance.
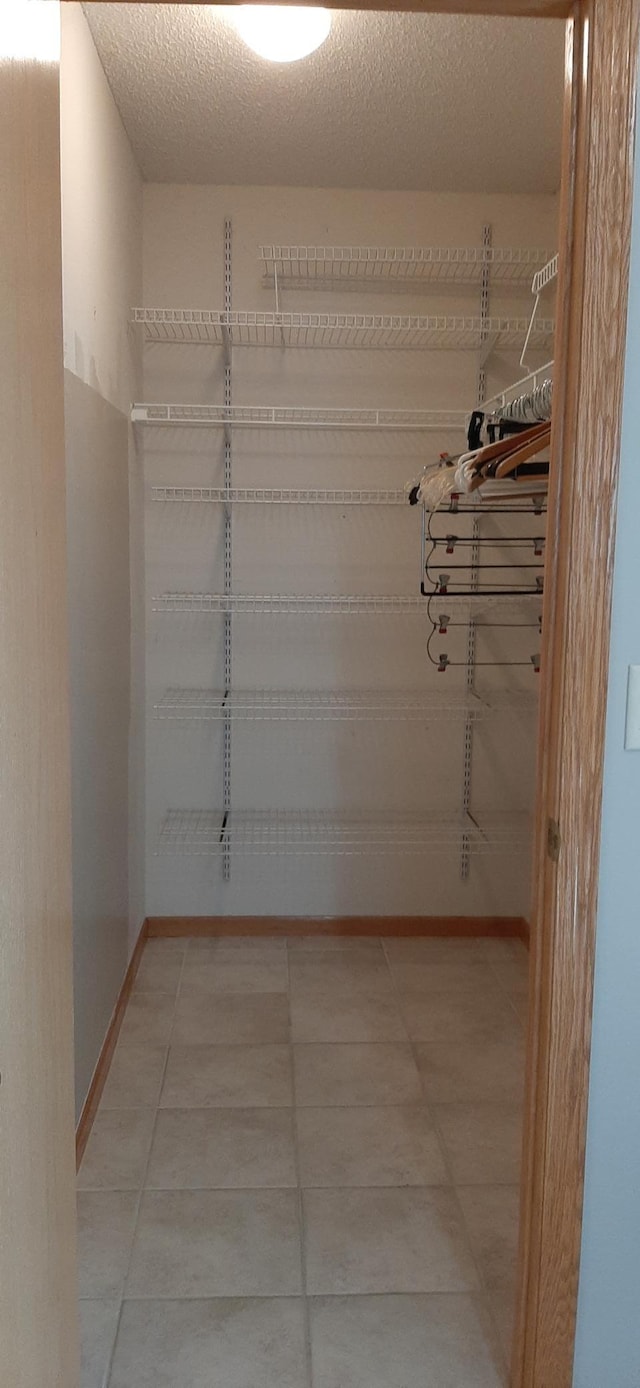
(385, 767)
(608, 1330)
(102, 257)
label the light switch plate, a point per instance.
(632, 726)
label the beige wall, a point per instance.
(102, 268)
(38, 1334)
(98, 585)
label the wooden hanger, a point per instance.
(523, 454)
(495, 453)
(505, 446)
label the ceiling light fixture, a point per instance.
(282, 33)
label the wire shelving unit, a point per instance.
(227, 832)
(279, 496)
(430, 332)
(295, 417)
(304, 266)
(206, 833)
(330, 604)
(329, 705)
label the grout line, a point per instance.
(507, 993)
(484, 1290)
(143, 1181)
(289, 1296)
(286, 1190)
(301, 1219)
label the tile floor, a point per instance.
(303, 1172)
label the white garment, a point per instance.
(435, 485)
(465, 472)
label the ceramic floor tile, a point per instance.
(106, 1221)
(349, 946)
(165, 947)
(135, 1075)
(503, 1310)
(117, 1150)
(217, 973)
(355, 1074)
(367, 1241)
(510, 947)
(340, 972)
(482, 1142)
(402, 1342)
(245, 948)
(513, 975)
(160, 966)
(369, 1147)
(465, 1072)
(232, 1018)
(520, 1003)
(428, 950)
(492, 1217)
(332, 1016)
(211, 1344)
(241, 1148)
(460, 975)
(453, 1017)
(148, 1018)
(98, 1322)
(228, 1077)
(216, 1243)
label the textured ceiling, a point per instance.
(398, 101)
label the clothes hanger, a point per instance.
(486, 454)
(523, 454)
(471, 467)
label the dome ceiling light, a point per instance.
(282, 33)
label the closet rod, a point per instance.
(498, 403)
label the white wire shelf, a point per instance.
(206, 833)
(296, 417)
(281, 496)
(276, 603)
(325, 705)
(348, 330)
(308, 265)
(327, 604)
(544, 277)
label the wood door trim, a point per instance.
(520, 9)
(593, 293)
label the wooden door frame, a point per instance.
(602, 43)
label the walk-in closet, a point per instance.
(309, 313)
